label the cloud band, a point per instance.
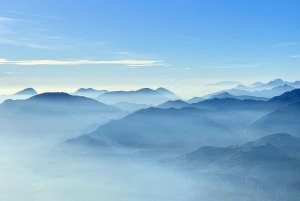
(130, 63)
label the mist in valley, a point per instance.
(56, 146)
(157, 100)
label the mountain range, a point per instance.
(233, 140)
(275, 155)
(164, 128)
(89, 92)
(266, 93)
(213, 121)
(195, 100)
(174, 104)
(23, 94)
(283, 116)
(54, 114)
(267, 86)
(131, 107)
(142, 96)
(242, 97)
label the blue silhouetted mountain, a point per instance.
(28, 91)
(285, 142)
(248, 104)
(265, 160)
(55, 113)
(173, 104)
(256, 158)
(279, 140)
(265, 152)
(239, 115)
(258, 86)
(86, 142)
(276, 83)
(284, 116)
(195, 100)
(235, 114)
(169, 94)
(228, 95)
(63, 101)
(141, 96)
(23, 94)
(131, 107)
(204, 156)
(231, 104)
(89, 92)
(165, 128)
(284, 120)
(267, 93)
(285, 98)
(271, 84)
(224, 83)
(280, 82)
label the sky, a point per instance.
(183, 45)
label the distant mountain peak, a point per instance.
(174, 104)
(195, 100)
(225, 93)
(27, 91)
(278, 140)
(145, 90)
(85, 89)
(167, 93)
(292, 93)
(257, 84)
(225, 83)
(162, 89)
(278, 80)
(87, 142)
(51, 96)
(89, 92)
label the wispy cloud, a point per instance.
(28, 14)
(129, 63)
(287, 44)
(12, 20)
(37, 46)
(48, 17)
(224, 83)
(12, 73)
(236, 66)
(295, 56)
(5, 19)
(186, 37)
(22, 42)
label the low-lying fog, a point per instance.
(53, 173)
(44, 173)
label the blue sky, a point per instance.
(181, 45)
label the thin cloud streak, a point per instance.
(48, 17)
(11, 73)
(130, 63)
(20, 42)
(295, 56)
(38, 46)
(236, 66)
(287, 44)
(185, 37)
(4, 19)
(28, 14)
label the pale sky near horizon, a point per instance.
(122, 45)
